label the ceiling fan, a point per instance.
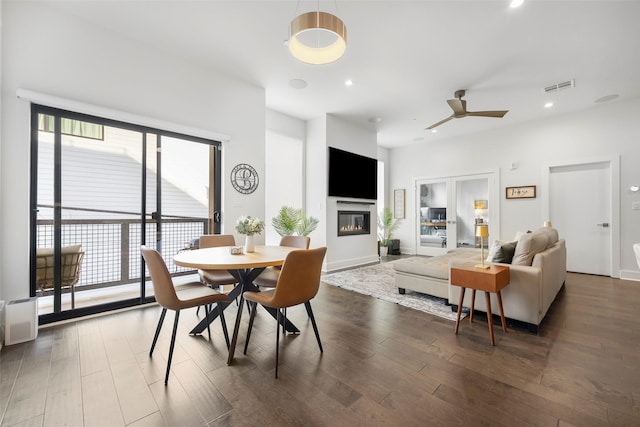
(459, 107)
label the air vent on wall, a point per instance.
(560, 86)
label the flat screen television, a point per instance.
(352, 175)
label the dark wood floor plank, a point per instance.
(101, 407)
(176, 407)
(28, 395)
(64, 391)
(93, 356)
(153, 420)
(135, 397)
(203, 393)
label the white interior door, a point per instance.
(580, 208)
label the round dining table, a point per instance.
(244, 267)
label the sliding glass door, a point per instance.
(102, 188)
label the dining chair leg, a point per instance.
(223, 322)
(173, 343)
(207, 310)
(313, 323)
(284, 321)
(155, 338)
(278, 318)
(251, 318)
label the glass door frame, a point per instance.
(451, 183)
(214, 208)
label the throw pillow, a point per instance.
(528, 246)
(505, 253)
(519, 234)
(495, 246)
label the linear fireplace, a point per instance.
(354, 222)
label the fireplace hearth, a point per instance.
(352, 223)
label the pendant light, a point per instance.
(317, 37)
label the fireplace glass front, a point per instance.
(353, 222)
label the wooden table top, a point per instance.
(220, 258)
(491, 279)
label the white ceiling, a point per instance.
(406, 58)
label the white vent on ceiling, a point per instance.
(560, 86)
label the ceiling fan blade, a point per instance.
(498, 114)
(440, 122)
(459, 106)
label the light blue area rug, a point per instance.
(378, 281)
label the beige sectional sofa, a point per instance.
(536, 277)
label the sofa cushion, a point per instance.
(528, 246)
(550, 233)
(437, 266)
(505, 253)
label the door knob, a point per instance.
(603, 225)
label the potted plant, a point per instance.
(387, 224)
(249, 226)
(291, 220)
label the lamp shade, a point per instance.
(317, 37)
(480, 204)
(482, 230)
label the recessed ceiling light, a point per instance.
(607, 98)
(348, 82)
(434, 130)
(297, 83)
(548, 105)
(515, 3)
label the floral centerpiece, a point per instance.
(249, 226)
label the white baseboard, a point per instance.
(354, 262)
(630, 275)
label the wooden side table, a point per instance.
(492, 279)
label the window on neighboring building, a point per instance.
(71, 127)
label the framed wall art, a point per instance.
(522, 192)
(398, 203)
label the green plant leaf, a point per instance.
(387, 224)
(286, 221)
(306, 225)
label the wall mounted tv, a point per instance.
(352, 175)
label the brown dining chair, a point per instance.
(216, 277)
(298, 283)
(269, 277)
(193, 294)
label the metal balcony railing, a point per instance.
(112, 246)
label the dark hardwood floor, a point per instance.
(383, 364)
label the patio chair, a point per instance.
(71, 263)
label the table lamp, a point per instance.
(482, 231)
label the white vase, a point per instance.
(384, 250)
(248, 244)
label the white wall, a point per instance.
(605, 130)
(51, 53)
